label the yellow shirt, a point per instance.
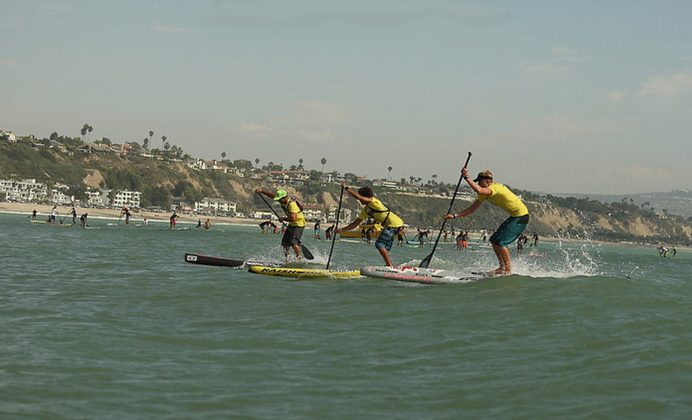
(380, 213)
(505, 199)
(292, 207)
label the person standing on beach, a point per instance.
(294, 216)
(502, 197)
(373, 208)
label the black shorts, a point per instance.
(292, 236)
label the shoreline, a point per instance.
(43, 210)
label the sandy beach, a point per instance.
(44, 210)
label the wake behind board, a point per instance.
(302, 272)
(418, 274)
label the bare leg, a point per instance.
(502, 254)
(298, 251)
(385, 255)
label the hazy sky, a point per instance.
(590, 96)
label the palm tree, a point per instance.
(257, 161)
(323, 161)
(223, 155)
(434, 178)
(145, 143)
(89, 130)
(84, 130)
(151, 134)
(390, 173)
(163, 140)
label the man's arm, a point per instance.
(466, 212)
(265, 192)
(352, 225)
(355, 194)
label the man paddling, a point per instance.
(500, 196)
(373, 208)
(295, 218)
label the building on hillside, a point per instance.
(199, 165)
(345, 216)
(94, 148)
(313, 213)
(25, 191)
(98, 198)
(215, 206)
(8, 136)
(126, 198)
(58, 196)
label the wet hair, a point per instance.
(366, 192)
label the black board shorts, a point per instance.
(292, 236)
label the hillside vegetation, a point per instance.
(163, 181)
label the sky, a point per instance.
(583, 96)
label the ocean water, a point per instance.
(112, 323)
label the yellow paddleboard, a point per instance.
(302, 272)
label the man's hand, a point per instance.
(450, 216)
(465, 173)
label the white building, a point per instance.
(26, 190)
(57, 196)
(215, 205)
(125, 198)
(98, 198)
(8, 135)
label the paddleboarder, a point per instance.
(173, 219)
(83, 220)
(373, 208)
(502, 197)
(294, 216)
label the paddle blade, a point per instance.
(306, 253)
(426, 261)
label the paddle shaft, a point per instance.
(426, 261)
(306, 252)
(336, 226)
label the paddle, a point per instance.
(336, 226)
(426, 261)
(306, 252)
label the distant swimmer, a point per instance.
(502, 197)
(73, 212)
(199, 223)
(33, 215)
(173, 219)
(375, 209)
(146, 222)
(534, 240)
(207, 224)
(662, 251)
(83, 220)
(673, 250)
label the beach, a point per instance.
(43, 210)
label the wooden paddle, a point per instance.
(336, 226)
(306, 252)
(426, 261)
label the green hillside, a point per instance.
(165, 179)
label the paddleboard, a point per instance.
(209, 260)
(302, 272)
(419, 274)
